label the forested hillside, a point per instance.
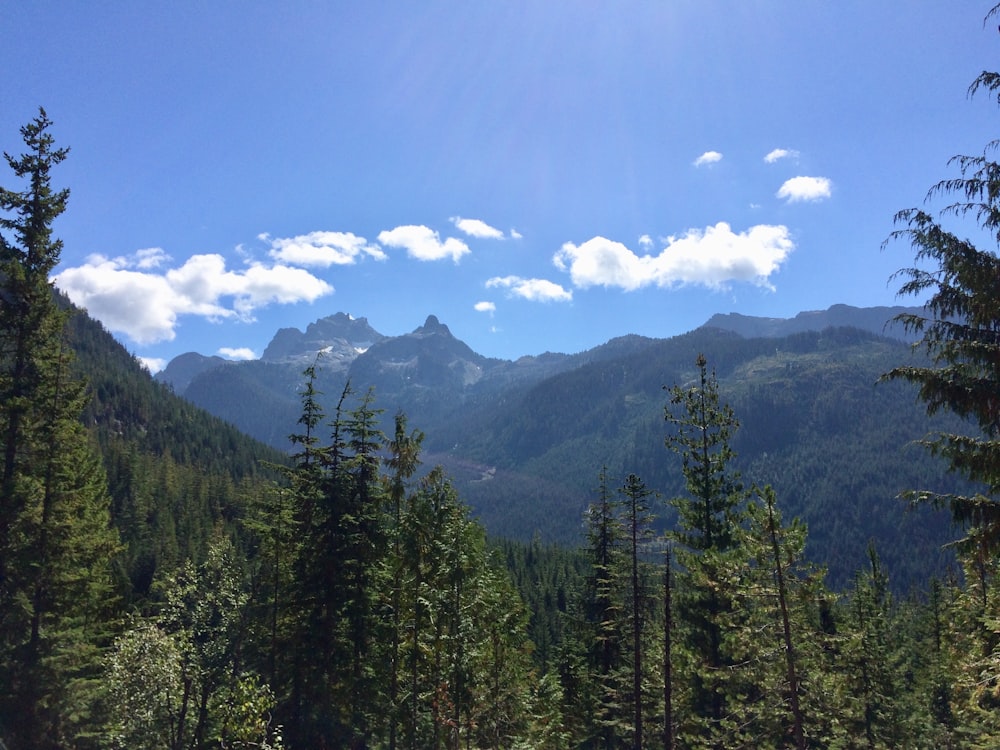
(814, 422)
(175, 473)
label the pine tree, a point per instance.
(600, 632)
(668, 645)
(308, 668)
(361, 534)
(637, 520)
(403, 461)
(56, 544)
(869, 652)
(708, 554)
(779, 647)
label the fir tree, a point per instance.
(707, 552)
(56, 544)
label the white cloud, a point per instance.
(153, 364)
(709, 157)
(322, 249)
(127, 298)
(485, 307)
(712, 257)
(515, 235)
(645, 241)
(477, 228)
(781, 153)
(805, 189)
(536, 290)
(423, 243)
(151, 257)
(240, 353)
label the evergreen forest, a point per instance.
(168, 582)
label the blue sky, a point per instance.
(542, 176)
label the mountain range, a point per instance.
(525, 440)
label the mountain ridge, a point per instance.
(342, 338)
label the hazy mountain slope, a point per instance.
(877, 320)
(815, 425)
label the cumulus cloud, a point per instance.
(423, 243)
(485, 307)
(128, 298)
(322, 249)
(536, 290)
(240, 353)
(645, 241)
(515, 235)
(800, 189)
(477, 228)
(781, 153)
(712, 257)
(709, 157)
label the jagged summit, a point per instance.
(432, 326)
(341, 337)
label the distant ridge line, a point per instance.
(878, 320)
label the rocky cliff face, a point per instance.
(340, 338)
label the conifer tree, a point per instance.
(403, 460)
(779, 638)
(361, 534)
(56, 543)
(637, 520)
(869, 653)
(960, 328)
(707, 552)
(600, 631)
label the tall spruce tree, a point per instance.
(778, 640)
(56, 543)
(361, 533)
(638, 519)
(593, 651)
(403, 460)
(708, 554)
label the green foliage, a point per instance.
(175, 680)
(960, 331)
(56, 544)
(145, 690)
(709, 519)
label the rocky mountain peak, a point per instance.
(341, 337)
(432, 326)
